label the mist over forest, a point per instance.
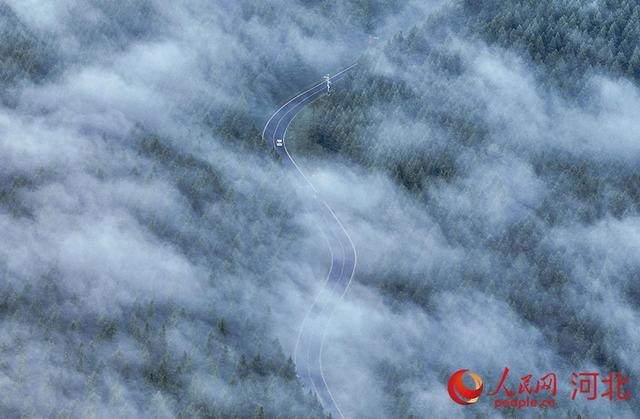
(157, 259)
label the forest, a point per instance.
(156, 261)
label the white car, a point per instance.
(279, 142)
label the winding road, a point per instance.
(311, 337)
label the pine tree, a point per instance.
(289, 370)
(222, 327)
(242, 369)
(258, 366)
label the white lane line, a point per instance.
(339, 241)
(344, 70)
(304, 320)
(311, 339)
(284, 145)
(355, 256)
(300, 94)
(332, 308)
(354, 263)
(353, 271)
(298, 107)
(290, 100)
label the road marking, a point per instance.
(280, 142)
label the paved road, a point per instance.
(311, 338)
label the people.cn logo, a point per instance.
(462, 394)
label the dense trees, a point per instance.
(568, 39)
(420, 130)
(412, 124)
(93, 348)
(22, 53)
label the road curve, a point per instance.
(309, 346)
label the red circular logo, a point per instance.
(462, 394)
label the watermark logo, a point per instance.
(462, 394)
(531, 392)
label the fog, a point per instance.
(157, 260)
